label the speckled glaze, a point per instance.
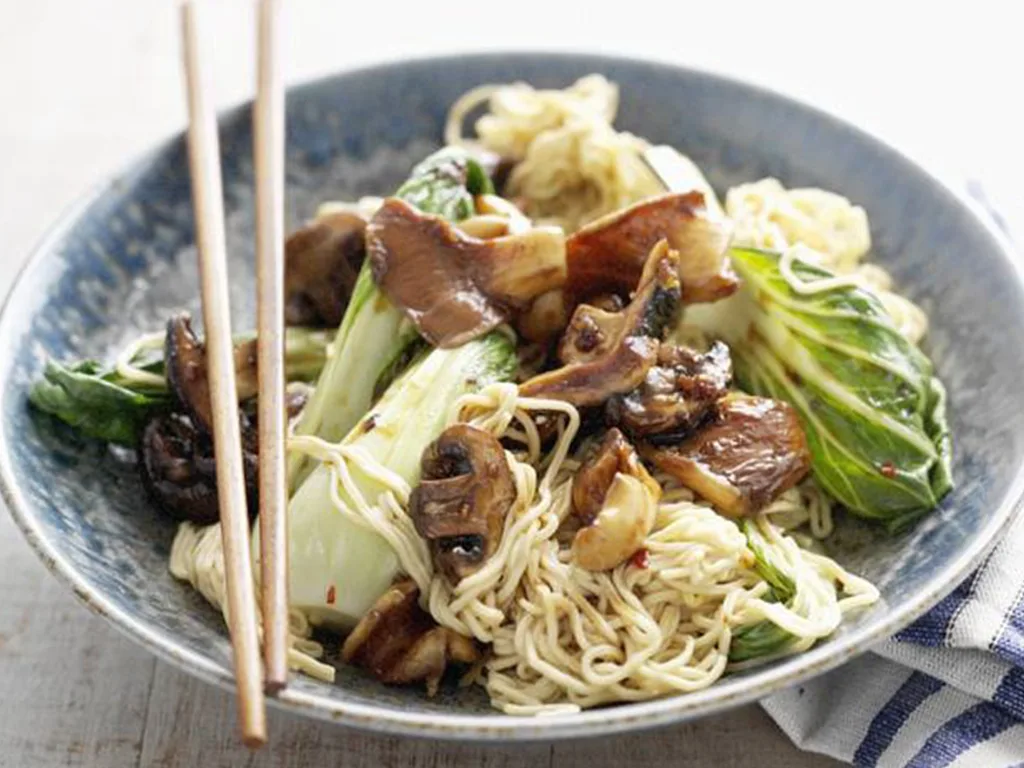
(122, 259)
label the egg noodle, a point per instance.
(559, 637)
(197, 557)
(572, 166)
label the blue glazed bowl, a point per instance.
(123, 259)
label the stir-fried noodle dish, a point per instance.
(561, 425)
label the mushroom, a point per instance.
(179, 470)
(608, 254)
(495, 217)
(178, 467)
(545, 319)
(752, 450)
(616, 500)
(676, 396)
(187, 375)
(399, 643)
(462, 499)
(296, 395)
(455, 287)
(322, 261)
(608, 353)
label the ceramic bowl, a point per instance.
(123, 259)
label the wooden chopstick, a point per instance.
(208, 205)
(268, 148)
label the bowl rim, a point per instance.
(723, 695)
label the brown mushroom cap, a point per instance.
(187, 373)
(609, 353)
(455, 287)
(676, 396)
(399, 642)
(322, 262)
(753, 450)
(608, 255)
(462, 499)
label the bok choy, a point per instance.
(339, 567)
(873, 412)
(763, 638)
(114, 404)
(374, 334)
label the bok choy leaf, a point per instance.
(763, 638)
(94, 402)
(102, 403)
(873, 412)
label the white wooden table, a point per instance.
(86, 85)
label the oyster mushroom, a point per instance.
(455, 287)
(399, 643)
(616, 500)
(322, 261)
(608, 254)
(462, 499)
(752, 450)
(676, 396)
(608, 353)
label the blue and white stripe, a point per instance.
(947, 691)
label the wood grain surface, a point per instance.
(89, 84)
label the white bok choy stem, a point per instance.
(340, 553)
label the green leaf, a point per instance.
(101, 403)
(477, 180)
(444, 184)
(767, 564)
(758, 640)
(81, 397)
(763, 638)
(873, 413)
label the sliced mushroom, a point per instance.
(676, 396)
(399, 643)
(455, 287)
(545, 319)
(616, 500)
(608, 254)
(322, 261)
(608, 353)
(187, 374)
(462, 499)
(753, 450)
(176, 455)
(179, 470)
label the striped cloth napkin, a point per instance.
(947, 691)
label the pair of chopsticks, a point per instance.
(207, 197)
